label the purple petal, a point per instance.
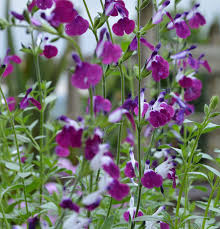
(146, 43)
(11, 101)
(123, 25)
(77, 27)
(50, 51)
(134, 44)
(182, 29)
(17, 15)
(68, 204)
(62, 152)
(35, 103)
(111, 169)
(44, 4)
(8, 70)
(151, 179)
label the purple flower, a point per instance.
(144, 105)
(110, 167)
(33, 222)
(66, 164)
(133, 45)
(31, 5)
(86, 74)
(158, 17)
(44, 4)
(17, 15)
(69, 137)
(124, 25)
(178, 23)
(164, 225)
(68, 204)
(8, 67)
(11, 101)
(195, 63)
(92, 201)
(77, 26)
(130, 166)
(113, 7)
(130, 213)
(183, 54)
(118, 190)
(25, 101)
(195, 18)
(62, 152)
(193, 92)
(158, 65)
(92, 147)
(50, 51)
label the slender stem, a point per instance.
(103, 86)
(91, 102)
(139, 115)
(209, 202)
(4, 217)
(17, 147)
(122, 85)
(37, 68)
(187, 167)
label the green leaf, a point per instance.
(193, 217)
(144, 4)
(49, 206)
(210, 127)
(108, 223)
(24, 174)
(216, 172)
(12, 166)
(148, 218)
(50, 99)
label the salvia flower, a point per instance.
(86, 74)
(130, 138)
(183, 54)
(158, 16)
(130, 166)
(92, 201)
(154, 178)
(68, 204)
(77, 26)
(179, 23)
(195, 19)
(101, 104)
(71, 134)
(124, 25)
(76, 222)
(134, 44)
(18, 16)
(130, 213)
(27, 99)
(11, 101)
(7, 63)
(113, 7)
(62, 152)
(152, 224)
(108, 52)
(50, 51)
(158, 65)
(44, 4)
(33, 222)
(195, 63)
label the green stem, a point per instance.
(17, 147)
(4, 217)
(139, 115)
(37, 68)
(209, 202)
(187, 167)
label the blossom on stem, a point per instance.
(62, 152)
(158, 65)
(158, 16)
(113, 7)
(68, 204)
(86, 74)
(25, 101)
(183, 54)
(130, 213)
(195, 19)
(92, 201)
(134, 44)
(18, 16)
(44, 4)
(178, 23)
(108, 52)
(195, 63)
(77, 26)
(130, 166)
(11, 101)
(124, 25)
(50, 51)
(7, 65)
(101, 104)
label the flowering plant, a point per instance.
(128, 164)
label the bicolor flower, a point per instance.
(134, 44)
(152, 224)
(71, 134)
(183, 54)
(130, 166)
(11, 101)
(130, 213)
(115, 7)
(92, 201)
(108, 52)
(178, 23)
(27, 99)
(158, 16)
(77, 26)
(195, 63)
(7, 63)
(18, 16)
(50, 51)
(195, 19)
(33, 222)
(68, 204)
(101, 104)
(154, 178)
(158, 65)
(86, 74)
(144, 105)
(124, 25)
(44, 4)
